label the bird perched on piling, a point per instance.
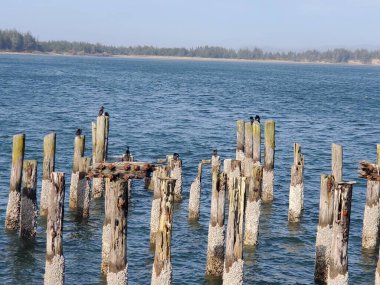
(257, 118)
(215, 151)
(78, 132)
(106, 114)
(127, 155)
(175, 156)
(251, 119)
(101, 111)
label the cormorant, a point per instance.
(78, 132)
(251, 119)
(257, 118)
(101, 111)
(106, 114)
(215, 152)
(175, 156)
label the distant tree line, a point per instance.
(14, 41)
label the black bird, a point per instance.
(127, 152)
(78, 132)
(251, 119)
(257, 118)
(101, 111)
(215, 152)
(175, 156)
(106, 114)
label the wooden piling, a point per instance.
(162, 267)
(84, 188)
(269, 152)
(98, 184)
(248, 149)
(12, 219)
(79, 144)
(106, 132)
(48, 168)
(256, 132)
(296, 186)
(215, 247)
(338, 266)
(235, 172)
(337, 161)
(118, 266)
(93, 137)
(195, 196)
(106, 233)
(240, 140)
(28, 209)
(233, 261)
(253, 206)
(55, 262)
(176, 173)
(324, 231)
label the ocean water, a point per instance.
(158, 107)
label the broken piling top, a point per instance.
(100, 139)
(240, 140)
(79, 144)
(298, 156)
(269, 144)
(337, 161)
(256, 133)
(248, 141)
(49, 155)
(369, 170)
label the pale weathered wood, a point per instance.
(84, 188)
(338, 265)
(234, 172)
(256, 132)
(162, 268)
(79, 145)
(195, 196)
(55, 262)
(296, 191)
(248, 149)
(28, 209)
(110, 187)
(106, 132)
(12, 219)
(240, 140)
(233, 261)
(269, 152)
(176, 173)
(337, 162)
(93, 137)
(118, 266)
(98, 183)
(378, 154)
(324, 231)
(47, 168)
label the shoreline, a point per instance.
(375, 62)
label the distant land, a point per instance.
(13, 41)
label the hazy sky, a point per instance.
(278, 24)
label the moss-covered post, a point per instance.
(240, 140)
(98, 183)
(47, 168)
(55, 262)
(118, 266)
(337, 161)
(256, 132)
(253, 206)
(233, 261)
(248, 149)
(84, 188)
(79, 143)
(269, 151)
(296, 186)
(28, 210)
(338, 265)
(176, 173)
(195, 196)
(215, 247)
(12, 219)
(324, 231)
(162, 266)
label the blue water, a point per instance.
(159, 107)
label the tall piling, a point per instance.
(296, 191)
(233, 261)
(324, 230)
(215, 247)
(12, 219)
(256, 133)
(253, 206)
(55, 261)
(28, 209)
(84, 188)
(162, 267)
(240, 140)
(269, 152)
(93, 138)
(47, 168)
(79, 144)
(338, 266)
(98, 183)
(195, 196)
(110, 187)
(248, 149)
(337, 162)
(235, 172)
(176, 173)
(106, 132)
(118, 266)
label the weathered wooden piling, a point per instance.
(12, 219)
(240, 140)
(84, 188)
(235, 171)
(269, 152)
(55, 262)
(195, 196)
(47, 168)
(215, 247)
(106, 132)
(28, 209)
(248, 149)
(98, 183)
(233, 261)
(79, 144)
(256, 132)
(93, 138)
(296, 186)
(324, 231)
(106, 233)
(338, 265)
(162, 267)
(337, 162)
(175, 165)
(118, 266)
(253, 206)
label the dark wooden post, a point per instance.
(55, 262)
(195, 196)
(48, 168)
(233, 261)
(118, 266)
(269, 151)
(337, 162)
(240, 140)
(98, 183)
(248, 150)
(79, 144)
(162, 267)
(324, 231)
(256, 131)
(28, 210)
(84, 188)
(338, 265)
(253, 206)
(12, 219)
(296, 186)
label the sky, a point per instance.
(269, 24)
